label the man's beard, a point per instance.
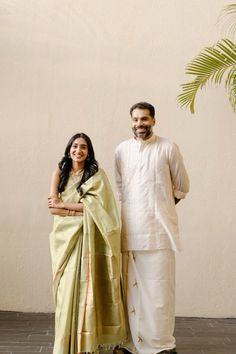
(145, 134)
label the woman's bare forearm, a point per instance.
(73, 206)
(55, 202)
(64, 212)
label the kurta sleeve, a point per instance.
(178, 172)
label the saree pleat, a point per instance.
(86, 271)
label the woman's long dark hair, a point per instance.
(65, 165)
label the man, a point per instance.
(151, 179)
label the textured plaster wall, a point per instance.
(68, 66)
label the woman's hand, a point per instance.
(55, 202)
(58, 207)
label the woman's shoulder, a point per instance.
(101, 174)
(101, 170)
(56, 172)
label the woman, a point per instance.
(85, 249)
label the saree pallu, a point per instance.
(85, 254)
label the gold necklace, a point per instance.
(76, 173)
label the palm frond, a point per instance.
(231, 86)
(209, 66)
(228, 20)
(230, 77)
(230, 9)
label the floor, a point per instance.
(30, 333)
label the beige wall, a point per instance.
(78, 65)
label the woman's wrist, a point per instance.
(71, 213)
(53, 196)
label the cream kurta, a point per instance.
(149, 174)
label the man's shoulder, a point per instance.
(165, 142)
(158, 141)
(124, 144)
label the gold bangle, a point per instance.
(71, 213)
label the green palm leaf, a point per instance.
(231, 86)
(210, 66)
(228, 15)
(230, 9)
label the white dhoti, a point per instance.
(149, 284)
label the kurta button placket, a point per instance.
(139, 160)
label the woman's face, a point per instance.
(79, 151)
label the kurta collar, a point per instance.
(148, 141)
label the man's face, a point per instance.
(142, 123)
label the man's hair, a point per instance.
(144, 105)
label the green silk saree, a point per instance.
(85, 254)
